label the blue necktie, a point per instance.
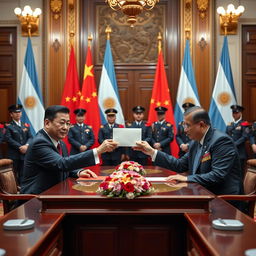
(197, 158)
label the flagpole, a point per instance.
(90, 37)
(108, 31)
(159, 38)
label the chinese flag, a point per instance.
(71, 92)
(161, 97)
(89, 98)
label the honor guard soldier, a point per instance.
(106, 132)
(182, 139)
(162, 132)
(146, 134)
(253, 138)
(239, 132)
(80, 136)
(17, 136)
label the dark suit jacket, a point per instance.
(78, 136)
(218, 168)
(17, 136)
(182, 138)
(163, 134)
(44, 166)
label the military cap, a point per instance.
(110, 111)
(15, 108)
(187, 105)
(160, 110)
(79, 111)
(237, 108)
(138, 109)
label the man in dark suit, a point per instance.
(162, 132)
(182, 138)
(239, 133)
(106, 132)
(18, 137)
(212, 159)
(47, 162)
(146, 132)
(80, 136)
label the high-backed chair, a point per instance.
(249, 188)
(9, 191)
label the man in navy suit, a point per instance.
(106, 132)
(162, 132)
(80, 136)
(212, 159)
(18, 137)
(146, 132)
(47, 162)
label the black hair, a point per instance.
(199, 115)
(51, 112)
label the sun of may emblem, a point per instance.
(224, 98)
(109, 103)
(30, 102)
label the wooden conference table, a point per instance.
(72, 219)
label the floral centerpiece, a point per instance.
(131, 166)
(125, 183)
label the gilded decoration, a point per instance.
(137, 45)
(56, 6)
(188, 21)
(202, 6)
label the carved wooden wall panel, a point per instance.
(8, 61)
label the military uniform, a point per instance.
(110, 158)
(146, 134)
(79, 135)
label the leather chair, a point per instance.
(249, 189)
(9, 190)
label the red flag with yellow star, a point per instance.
(161, 97)
(89, 98)
(71, 92)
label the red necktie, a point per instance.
(59, 149)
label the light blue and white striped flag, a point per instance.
(187, 89)
(108, 96)
(223, 95)
(30, 95)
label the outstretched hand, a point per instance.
(107, 146)
(87, 174)
(177, 177)
(144, 147)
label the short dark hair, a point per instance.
(199, 115)
(51, 112)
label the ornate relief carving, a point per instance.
(56, 45)
(188, 21)
(136, 45)
(56, 6)
(202, 6)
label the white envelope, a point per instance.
(127, 137)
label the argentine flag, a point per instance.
(187, 89)
(223, 95)
(108, 96)
(30, 95)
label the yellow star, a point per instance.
(94, 94)
(88, 100)
(166, 103)
(152, 101)
(88, 71)
(158, 103)
(79, 93)
(74, 99)
(81, 97)
(67, 99)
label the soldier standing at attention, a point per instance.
(106, 132)
(182, 139)
(80, 136)
(238, 132)
(146, 134)
(162, 132)
(17, 136)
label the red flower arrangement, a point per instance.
(131, 166)
(125, 183)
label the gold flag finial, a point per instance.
(108, 31)
(90, 37)
(159, 38)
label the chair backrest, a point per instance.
(250, 177)
(8, 183)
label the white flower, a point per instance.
(130, 195)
